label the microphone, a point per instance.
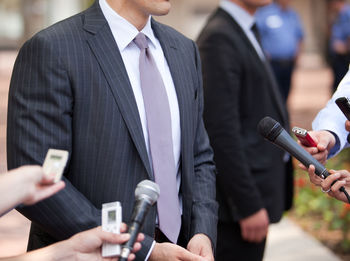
(146, 194)
(274, 132)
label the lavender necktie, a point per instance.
(160, 140)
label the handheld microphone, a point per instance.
(274, 132)
(146, 194)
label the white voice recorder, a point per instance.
(55, 162)
(111, 220)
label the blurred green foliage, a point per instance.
(310, 201)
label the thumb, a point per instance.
(323, 143)
(188, 256)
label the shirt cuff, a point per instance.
(150, 250)
(336, 146)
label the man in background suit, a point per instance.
(79, 86)
(253, 185)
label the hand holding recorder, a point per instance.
(324, 141)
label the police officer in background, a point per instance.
(339, 43)
(281, 37)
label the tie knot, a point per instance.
(256, 32)
(141, 41)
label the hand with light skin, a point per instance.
(84, 246)
(347, 125)
(325, 142)
(255, 227)
(169, 251)
(341, 178)
(200, 244)
(27, 185)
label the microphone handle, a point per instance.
(286, 142)
(128, 246)
(140, 210)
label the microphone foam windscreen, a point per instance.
(149, 189)
(269, 128)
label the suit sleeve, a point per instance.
(204, 210)
(223, 84)
(40, 115)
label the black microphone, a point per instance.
(274, 132)
(146, 194)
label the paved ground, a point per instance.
(286, 241)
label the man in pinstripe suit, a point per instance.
(76, 86)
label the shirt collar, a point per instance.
(243, 18)
(123, 30)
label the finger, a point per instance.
(324, 142)
(347, 125)
(327, 183)
(313, 177)
(131, 257)
(48, 179)
(47, 191)
(302, 166)
(188, 256)
(137, 247)
(114, 238)
(194, 248)
(261, 233)
(140, 237)
(244, 233)
(250, 235)
(321, 156)
(337, 185)
(123, 227)
(311, 150)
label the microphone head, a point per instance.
(269, 128)
(148, 190)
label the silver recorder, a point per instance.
(55, 162)
(111, 220)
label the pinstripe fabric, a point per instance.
(70, 90)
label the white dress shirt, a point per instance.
(124, 33)
(332, 119)
(245, 21)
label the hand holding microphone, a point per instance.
(273, 131)
(146, 194)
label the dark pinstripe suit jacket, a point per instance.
(70, 90)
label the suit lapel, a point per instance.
(273, 87)
(105, 49)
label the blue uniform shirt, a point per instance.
(341, 26)
(281, 31)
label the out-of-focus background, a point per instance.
(311, 88)
(20, 19)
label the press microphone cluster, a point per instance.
(274, 132)
(146, 194)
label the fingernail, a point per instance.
(125, 236)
